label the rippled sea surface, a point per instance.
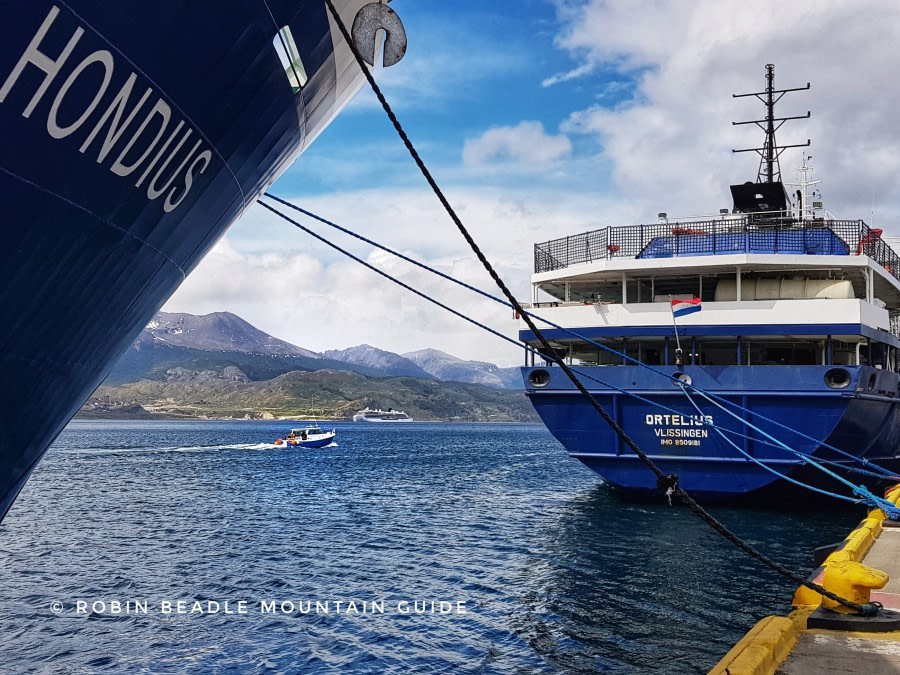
(433, 548)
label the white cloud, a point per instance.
(316, 298)
(670, 146)
(574, 74)
(342, 304)
(666, 148)
(526, 143)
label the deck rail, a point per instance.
(749, 233)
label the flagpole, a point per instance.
(678, 359)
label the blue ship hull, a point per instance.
(862, 419)
(794, 362)
(133, 134)
(321, 443)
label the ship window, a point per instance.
(289, 55)
(792, 353)
(718, 352)
(844, 353)
(591, 355)
(878, 352)
(652, 353)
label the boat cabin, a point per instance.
(774, 289)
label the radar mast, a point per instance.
(767, 194)
(769, 166)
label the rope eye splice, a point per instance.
(669, 484)
(865, 496)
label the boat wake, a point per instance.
(223, 447)
(174, 448)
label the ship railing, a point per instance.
(894, 326)
(746, 233)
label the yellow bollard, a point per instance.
(892, 494)
(852, 581)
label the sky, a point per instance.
(545, 118)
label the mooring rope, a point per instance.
(768, 468)
(483, 326)
(860, 491)
(868, 609)
(863, 609)
(386, 275)
(875, 502)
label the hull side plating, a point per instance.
(683, 440)
(134, 133)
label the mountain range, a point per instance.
(173, 340)
(219, 365)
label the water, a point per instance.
(542, 568)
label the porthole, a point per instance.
(539, 378)
(837, 378)
(683, 377)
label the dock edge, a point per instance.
(769, 643)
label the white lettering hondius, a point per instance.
(130, 130)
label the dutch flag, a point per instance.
(685, 307)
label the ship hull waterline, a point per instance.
(778, 401)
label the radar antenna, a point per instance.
(769, 166)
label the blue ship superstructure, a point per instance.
(795, 343)
(133, 134)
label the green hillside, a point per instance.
(229, 392)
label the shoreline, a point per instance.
(327, 420)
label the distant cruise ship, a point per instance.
(134, 133)
(378, 415)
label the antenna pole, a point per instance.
(769, 166)
(770, 157)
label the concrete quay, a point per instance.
(821, 637)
